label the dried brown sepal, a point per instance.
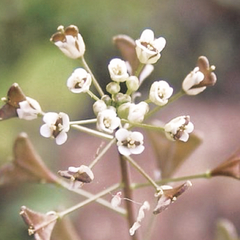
(40, 225)
(168, 196)
(171, 154)
(210, 77)
(14, 96)
(229, 168)
(61, 35)
(27, 165)
(83, 174)
(126, 46)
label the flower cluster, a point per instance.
(118, 109)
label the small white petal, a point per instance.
(61, 138)
(135, 226)
(45, 131)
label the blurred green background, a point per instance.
(191, 28)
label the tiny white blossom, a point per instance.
(118, 70)
(56, 125)
(79, 81)
(69, 41)
(191, 81)
(179, 128)
(116, 200)
(137, 112)
(160, 92)
(129, 142)
(29, 109)
(148, 48)
(107, 120)
(140, 217)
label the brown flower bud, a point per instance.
(210, 77)
(14, 97)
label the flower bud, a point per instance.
(137, 112)
(113, 87)
(132, 83)
(121, 98)
(99, 106)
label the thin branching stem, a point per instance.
(205, 175)
(139, 169)
(95, 82)
(102, 153)
(86, 194)
(92, 132)
(89, 200)
(172, 99)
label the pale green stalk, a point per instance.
(89, 200)
(95, 82)
(92, 132)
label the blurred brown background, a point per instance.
(191, 28)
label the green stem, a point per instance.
(102, 153)
(205, 175)
(139, 69)
(143, 125)
(92, 132)
(81, 122)
(172, 99)
(95, 82)
(90, 195)
(92, 95)
(87, 201)
(150, 180)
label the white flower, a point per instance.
(129, 142)
(118, 70)
(116, 200)
(137, 112)
(29, 109)
(79, 81)
(69, 41)
(56, 125)
(148, 48)
(191, 81)
(107, 120)
(140, 217)
(179, 128)
(160, 92)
